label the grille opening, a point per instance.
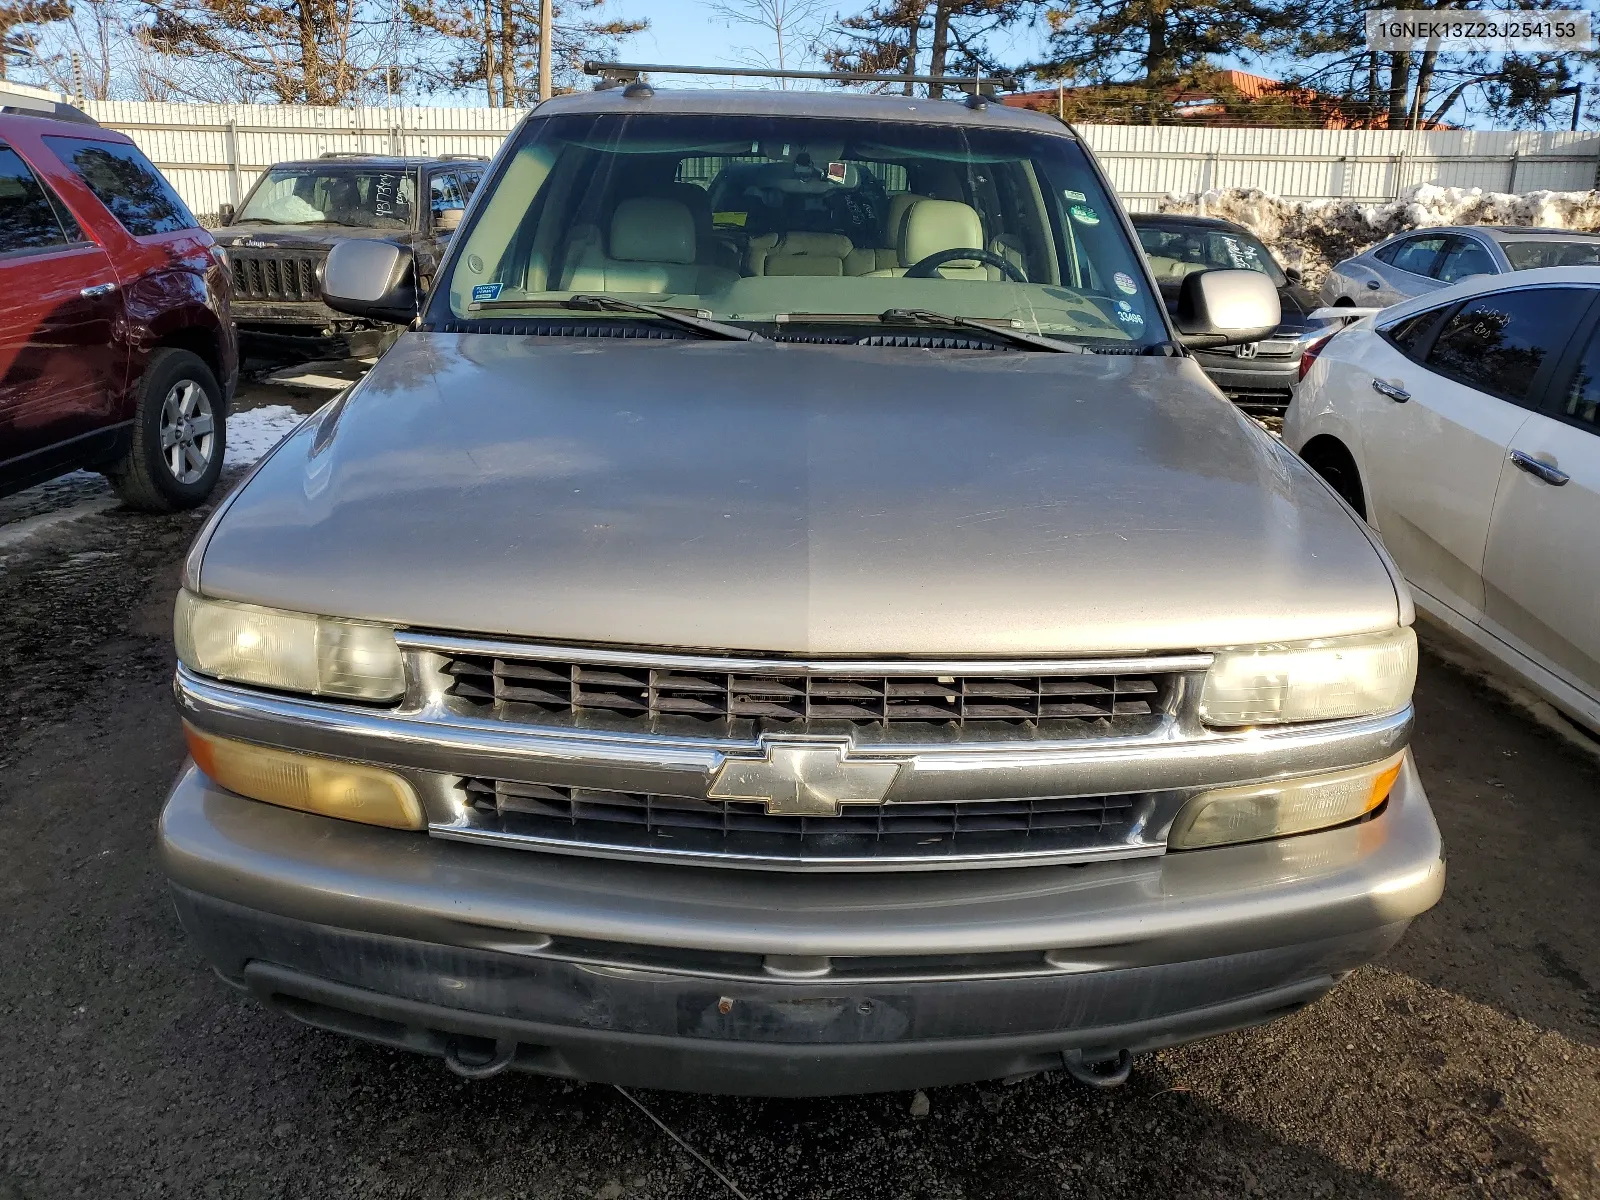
(687, 824)
(569, 692)
(275, 274)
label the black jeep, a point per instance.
(280, 236)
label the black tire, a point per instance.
(144, 477)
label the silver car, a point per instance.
(1424, 260)
(791, 617)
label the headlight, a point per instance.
(290, 651)
(1258, 811)
(1362, 676)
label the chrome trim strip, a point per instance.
(1172, 757)
(441, 643)
(462, 831)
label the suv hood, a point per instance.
(829, 500)
(301, 237)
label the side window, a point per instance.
(126, 182)
(469, 183)
(1418, 255)
(1465, 257)
(27, 218)
(1411, 334)
(1582, 402)
(444, 193)
(1498, 342)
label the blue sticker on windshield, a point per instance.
(486, 291)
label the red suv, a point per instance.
(117, 349)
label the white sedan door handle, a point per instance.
(1539, 469)
(1398, 394)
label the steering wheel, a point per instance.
(926, 268)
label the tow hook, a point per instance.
(470, 1062)
(1102, 1073)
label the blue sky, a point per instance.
(686, 32)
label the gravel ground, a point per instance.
(1466, 1064)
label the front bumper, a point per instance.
(774, 983)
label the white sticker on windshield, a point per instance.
(1084, 215)
(1072, 195)
(1125, 284)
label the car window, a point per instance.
(370, 198)
(27, 218)
(1418, 255)
(1550, 252)
(469, 182)
(1177, 250)
(756, 218)
(1498, 342)
(444, 193)
(1581, 404)
(1410, 335)
(126, 182)
(1465, 257)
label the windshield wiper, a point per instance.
(926, 316)
(699, 324)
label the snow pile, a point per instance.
(254, 431)
(1314, 235)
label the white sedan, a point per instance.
(1464, 425)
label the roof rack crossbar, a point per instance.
(614, 74)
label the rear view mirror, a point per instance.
(1293, 275)
(1227, 308)
(369, 278)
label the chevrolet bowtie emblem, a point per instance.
(803, 781)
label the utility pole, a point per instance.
(546, 20)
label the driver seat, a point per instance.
(934, 225)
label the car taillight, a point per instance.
(1309, 355)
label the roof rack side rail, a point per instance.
(463, 158)
(614, 74)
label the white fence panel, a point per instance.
(1146, 162)
(214, 153)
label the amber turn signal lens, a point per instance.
(1256, 812)
(325, 786)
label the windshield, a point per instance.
(1549, 252)
(334, 196)
(766, 219)
(1179, 249)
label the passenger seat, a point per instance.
(651, 249)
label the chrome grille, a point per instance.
(275, 274)
(686, 825)
(771, 697)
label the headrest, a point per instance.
(935, 225)
(648, 230)
(898, 204)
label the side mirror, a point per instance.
(448, 220)
(1294, 274)
(369, 278)
(1227, 308)
(225, 214)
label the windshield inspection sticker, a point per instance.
(1084, 215)
(1125, 284)
(485, 291)
(1127, 316)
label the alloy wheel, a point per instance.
(188, 431)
